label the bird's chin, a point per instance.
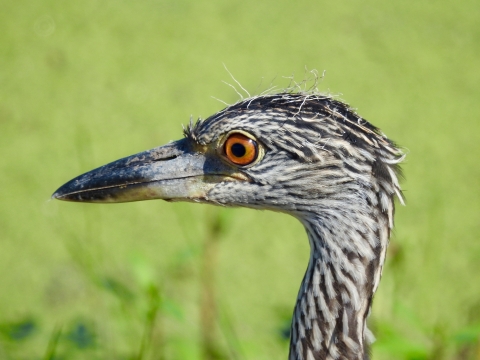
(194, 188)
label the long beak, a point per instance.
(171, 172)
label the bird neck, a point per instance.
(347, 254)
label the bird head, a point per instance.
(288, 152)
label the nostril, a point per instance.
(167, 158)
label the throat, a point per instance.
(334, 301)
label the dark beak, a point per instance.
(172, 172)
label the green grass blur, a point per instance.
(86, 82)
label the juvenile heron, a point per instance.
(304, 154)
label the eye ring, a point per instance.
(240, 149)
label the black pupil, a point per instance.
(238, 150)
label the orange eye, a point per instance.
(240, 149)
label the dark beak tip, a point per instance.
(63, 192)
(59, 195)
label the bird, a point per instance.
(303, 153)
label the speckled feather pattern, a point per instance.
(337, 174)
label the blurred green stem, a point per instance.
(208, 305)
(52, 343)
(155, 298)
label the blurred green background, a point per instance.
(86, 82)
